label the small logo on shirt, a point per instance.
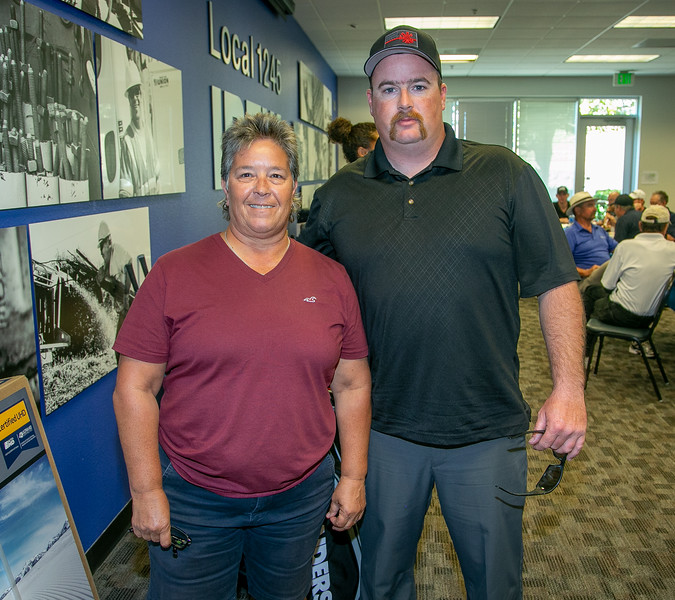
(311, 299)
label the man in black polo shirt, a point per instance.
(438, 279)
(627, 219)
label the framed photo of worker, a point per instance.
(315, 153)
(126, 15)
(316, 100)
(86, 271)
(140, 103)
(41, 555)
(18, 354)
(49, 149)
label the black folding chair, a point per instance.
(600, 331)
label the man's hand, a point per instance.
(587, 272)
(563, 415)
(564, 419)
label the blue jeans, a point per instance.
(485, 524)
(276, 535)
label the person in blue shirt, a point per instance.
(590, 245)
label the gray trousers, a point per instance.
(485, 524)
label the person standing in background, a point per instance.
(356, 140)
(441, 236)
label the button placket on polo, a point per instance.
(409, 207)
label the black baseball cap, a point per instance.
(403, 40)
(623, 200)
(562, 190)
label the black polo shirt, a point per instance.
(627, 226)
(438, 262)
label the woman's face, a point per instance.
(260, 190)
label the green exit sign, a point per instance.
(623, 79)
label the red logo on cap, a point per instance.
(407, 37)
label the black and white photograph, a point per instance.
(316, 100)
(226, 107)
(307, 193)
(126, 15)
(315, 153)
(18, 354)
(86, 271)
(50, 150)
(141, 121)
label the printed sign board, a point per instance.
(40, 551)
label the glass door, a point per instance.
(605, 154)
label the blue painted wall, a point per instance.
(82, 433)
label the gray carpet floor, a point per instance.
(608, 531)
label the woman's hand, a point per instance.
(347, 504)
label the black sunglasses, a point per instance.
(179, 539)
(551, 477)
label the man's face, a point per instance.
(656, 200)
(406, 101)
(586, 211)
(135, 97)
(620, 210)
(105, 248)
(562, 196)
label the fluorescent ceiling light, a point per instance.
(442, 22)
(646, 22)
(612, 58)
(458, 58)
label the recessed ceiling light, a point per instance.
(612, 58)
(442, 22)
(458, 58)
(646, 22)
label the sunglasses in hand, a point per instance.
(551, 477)
(179, 539)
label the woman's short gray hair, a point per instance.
(251, 128)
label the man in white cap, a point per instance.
(638, 197)
(635, 276)
(590, 245)
(139, 168)
(439, 280)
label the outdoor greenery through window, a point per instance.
(544, 132)
(624, 107)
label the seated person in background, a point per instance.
(638, 197)
(635, 276)
(590, 244)
(609, 221)
(627, 219)
(660, 198)
(562, 205)
(356, 140)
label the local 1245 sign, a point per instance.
(240, 53)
